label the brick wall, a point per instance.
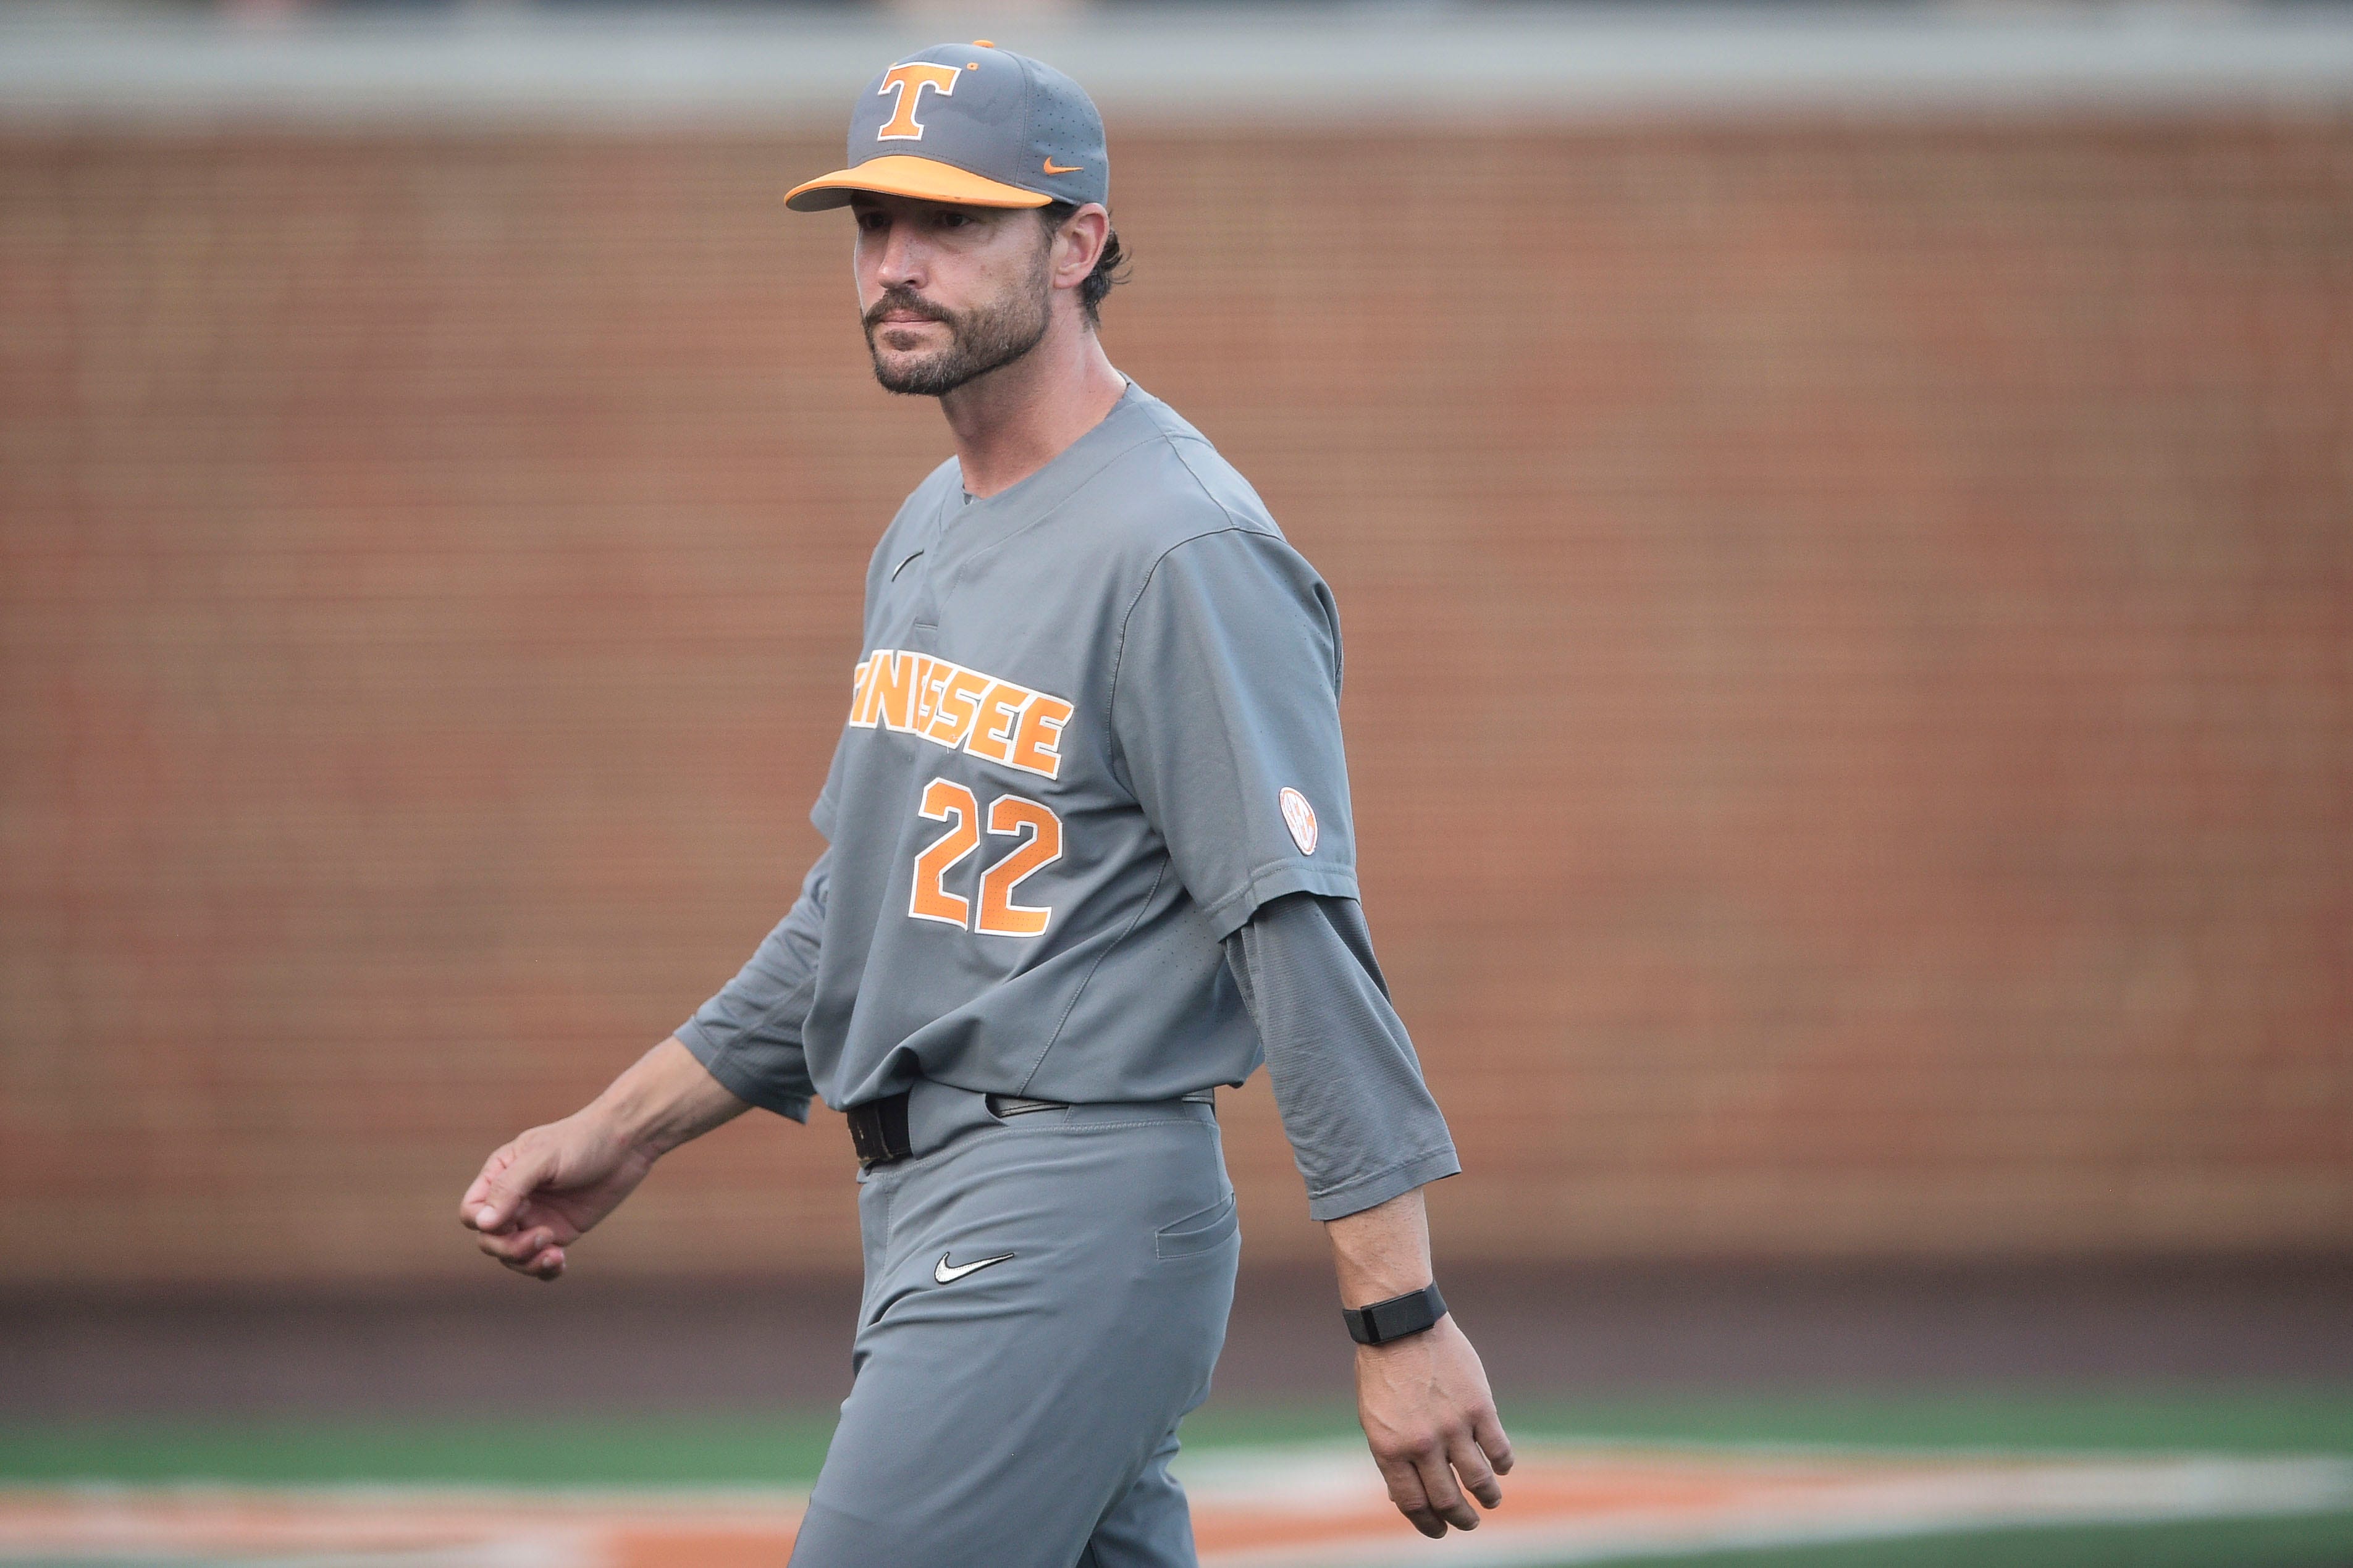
(1851, 666)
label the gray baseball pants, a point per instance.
(1022, 1414)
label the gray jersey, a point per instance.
(1094, 730)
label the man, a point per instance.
(1089, 855)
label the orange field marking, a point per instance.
(1272, 1508)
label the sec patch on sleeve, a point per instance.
(1300, 818)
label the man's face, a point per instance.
(947, 293)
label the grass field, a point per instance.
(1687, 1446)
(784, 1449)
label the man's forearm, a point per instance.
(1421, 1398)
(1382, 1251)
(665, 1098)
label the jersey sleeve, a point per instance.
(1362, 1124)
(1225, 714)
(824, 814)
(748, 1036)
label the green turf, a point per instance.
(2252, 1421)
(2249, 1421)
(2312, 1540)
(587, 1451)
(747, 1450)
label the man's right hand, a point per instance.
(538, 1195)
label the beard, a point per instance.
(987, 338)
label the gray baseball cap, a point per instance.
(972, 124)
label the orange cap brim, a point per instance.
(903, 175)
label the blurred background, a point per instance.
(1843, 528)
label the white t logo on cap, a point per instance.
(908, 82)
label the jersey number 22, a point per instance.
(1010, 815)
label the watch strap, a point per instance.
(1394, 1318)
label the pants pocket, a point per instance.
(1203, 1231)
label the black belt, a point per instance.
(878, 1131)
(877, 1128)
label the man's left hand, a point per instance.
(1426, 1410)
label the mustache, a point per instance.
(898, 300)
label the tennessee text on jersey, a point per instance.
(960, 709)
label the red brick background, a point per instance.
(1850, 633)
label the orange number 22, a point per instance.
(1010, 816)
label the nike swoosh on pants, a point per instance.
(947, 1276)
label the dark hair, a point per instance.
(1111, 267)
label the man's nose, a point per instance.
(901, 260)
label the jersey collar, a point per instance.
(964, 525)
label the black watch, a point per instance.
(1394, 1318)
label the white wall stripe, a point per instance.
(1489, 64)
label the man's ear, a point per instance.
(1079, 244)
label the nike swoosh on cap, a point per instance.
(947, 1276)
(1052, 169)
